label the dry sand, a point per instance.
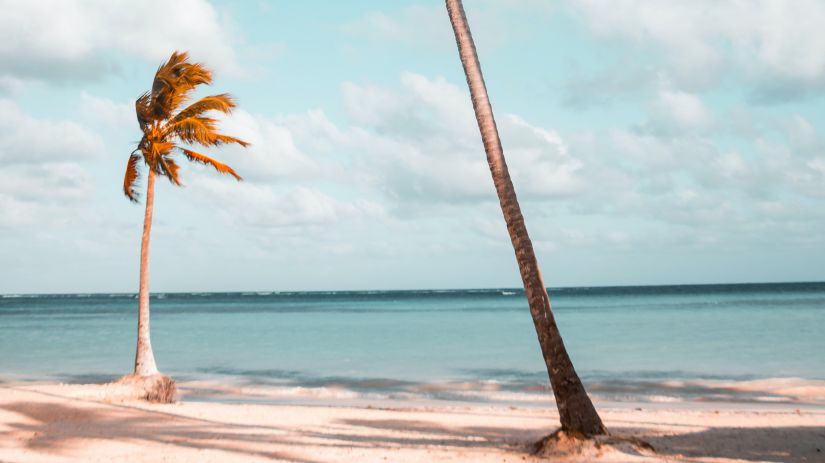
(41, 422)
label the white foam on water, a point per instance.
(664, 399)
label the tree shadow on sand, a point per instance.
(781, 444)
(796, 444)
(53, 427)
(56, 426)
(424, 433)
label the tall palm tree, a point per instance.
(164, 127)
(576, 411)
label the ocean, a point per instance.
(643, 343)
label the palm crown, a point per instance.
(163, 129)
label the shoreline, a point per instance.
(647, 392)
(48, 421)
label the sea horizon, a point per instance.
(421, 289)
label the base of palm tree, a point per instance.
(563, 443)
(155, 388)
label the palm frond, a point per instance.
(223, 103)
(131, 178)
(203, 159)
(169, 168)
(226, 139)
(174, 80)
(196, 129)
(201, 130)
(143, 110)
(153, 153)
(162, 148)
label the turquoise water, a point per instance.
(388, 339)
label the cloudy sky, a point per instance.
(650, 143)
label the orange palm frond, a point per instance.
(203, 159)
(226, 139)
(223, 103)
(201, 130)
(195, 129)
(131, 177)
(162, 148)
(153, 151)
(169, 168)
(143, 110)
(173, 82)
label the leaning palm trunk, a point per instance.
(576, 411)
(144, 357)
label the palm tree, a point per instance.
(576, 411)
(164, 127)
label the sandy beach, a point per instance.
(50, 422)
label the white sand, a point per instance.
(80, 423)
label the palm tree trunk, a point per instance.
(576, 411)
(145, 358)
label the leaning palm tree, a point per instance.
(577, 414)
(165, 126)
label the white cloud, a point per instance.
(28, 140)
(420, 143)
(108, 112)
(57, 182)
(43, 195)
(74, 40)
(414, 147)
(42, 181)
(273, 154)
(778, 46)
(685, 110)
(9, 85)
(683, 30)
(422, 109)
(541, 163)
(615, 82)
(803, 136)
(269, 207)
(688, 175)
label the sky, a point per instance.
(649, 143)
